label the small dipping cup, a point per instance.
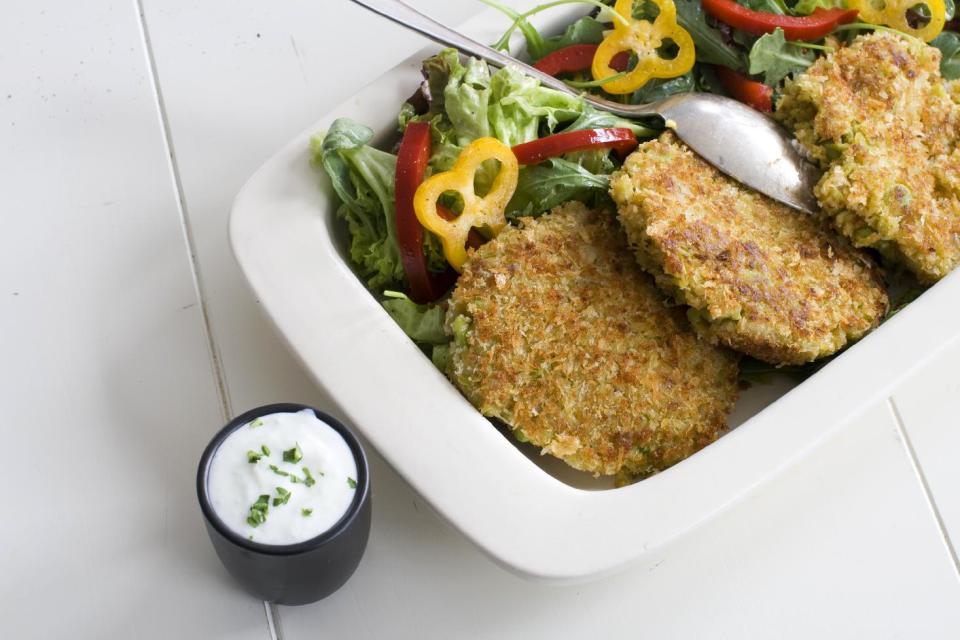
(297, 573)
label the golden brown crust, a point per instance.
(570, 343)
(760, 277)
(884, 126)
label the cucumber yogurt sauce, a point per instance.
(282, 479)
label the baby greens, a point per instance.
(776, 58)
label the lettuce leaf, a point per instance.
(806, 7)
(362, 177)
(422, 322)
(466, 98)
(519, 106)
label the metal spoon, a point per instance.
(739, 141)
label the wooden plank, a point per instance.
(242, 78)
(841, 546)
(109, 393)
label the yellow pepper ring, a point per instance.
(487, 211)
(894, 14)
(643, 38)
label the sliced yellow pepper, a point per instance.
(643, 38)
(487, 211)
(893, 13)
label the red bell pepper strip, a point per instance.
(412, 158)
(576, 57)
(619, 139)
(813, 27)
(750, 92)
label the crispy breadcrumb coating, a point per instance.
(560, 334)
(884, 126)
(758, 276)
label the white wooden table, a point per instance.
(128, 337)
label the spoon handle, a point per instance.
(405, 15)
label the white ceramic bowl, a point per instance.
(529, 513)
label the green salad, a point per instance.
(746, 49)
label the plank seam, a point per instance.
(213, 351)
(921, 476)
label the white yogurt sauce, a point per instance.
(301, 505)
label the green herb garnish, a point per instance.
(284, 497)
(352, 483)
(258, 511)
(253, 457)
(265, 449)
(277, 470)
(256, 423)
(306, 512)
(293, 455)
(307, 478)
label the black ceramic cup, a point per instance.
(297, 573)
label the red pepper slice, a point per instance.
(619, 139)
(576, 57)
(813, 27)
(412, 158)
(750, 92)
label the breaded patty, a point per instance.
(560, 334)
(884, 126)
(758, 276)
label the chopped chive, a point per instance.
(306, 512)
(265, 449)
(284, 497)
(293, 455)
(307, 478)
(277, 470)
(256, 423)
(352, 483)
(294, 479)
(258, 511)
(253, 457)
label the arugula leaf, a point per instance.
(542, 187)
(709, 41)
(593, 119)
(586, 30)
(949, 44)
(658, 88)
(776, 58)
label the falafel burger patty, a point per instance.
(758, 277)
(559, 334)
(884, 127)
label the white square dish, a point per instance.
(539, 520)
